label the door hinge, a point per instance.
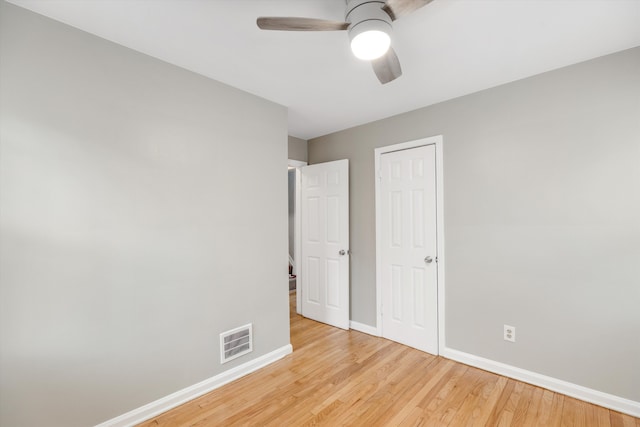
(379, 175)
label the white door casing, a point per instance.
(325, 242)
(407, 245)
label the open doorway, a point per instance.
(294, 227)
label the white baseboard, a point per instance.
(610, 401)
(161, 405)
(361, 327)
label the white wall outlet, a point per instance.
(509, 333)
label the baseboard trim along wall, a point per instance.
(606, 400)
(166, 403)
(361, 327)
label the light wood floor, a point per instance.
(337, 377)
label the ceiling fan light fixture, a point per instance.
(370, 44)
(369, 29)
(369, 25)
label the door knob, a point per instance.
(342, 252)
(428, 260)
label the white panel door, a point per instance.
(324, 239)
(408, 255)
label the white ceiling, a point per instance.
(447, 49)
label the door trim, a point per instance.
(437, 141)
(297, 164)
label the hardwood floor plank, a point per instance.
(598, 417)
(401, 381)
(574, 413)
(413, 419)
(505, 418)
(435, 374)
(483, 410)
(369, 388)
(520, 412)
(450, 404)
(551, 409)
(404, 386)
(533, 411)
(497, 410)
(623, 420)
(336, 377)
(475, 400)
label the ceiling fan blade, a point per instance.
(399, 8)
(387, 67)
(299, 24)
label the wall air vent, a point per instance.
(236, 342)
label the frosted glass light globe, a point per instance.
(370, 44)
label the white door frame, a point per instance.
(437, 141)
(297, 164)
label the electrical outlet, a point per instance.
(509, 333)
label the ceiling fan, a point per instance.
(369, 24)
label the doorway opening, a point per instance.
(294, 227)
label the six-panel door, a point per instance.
(408, 256)
(325, 242)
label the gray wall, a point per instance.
(124, 240)
(542, 219)
(297, 149)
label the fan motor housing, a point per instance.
(366, 12)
